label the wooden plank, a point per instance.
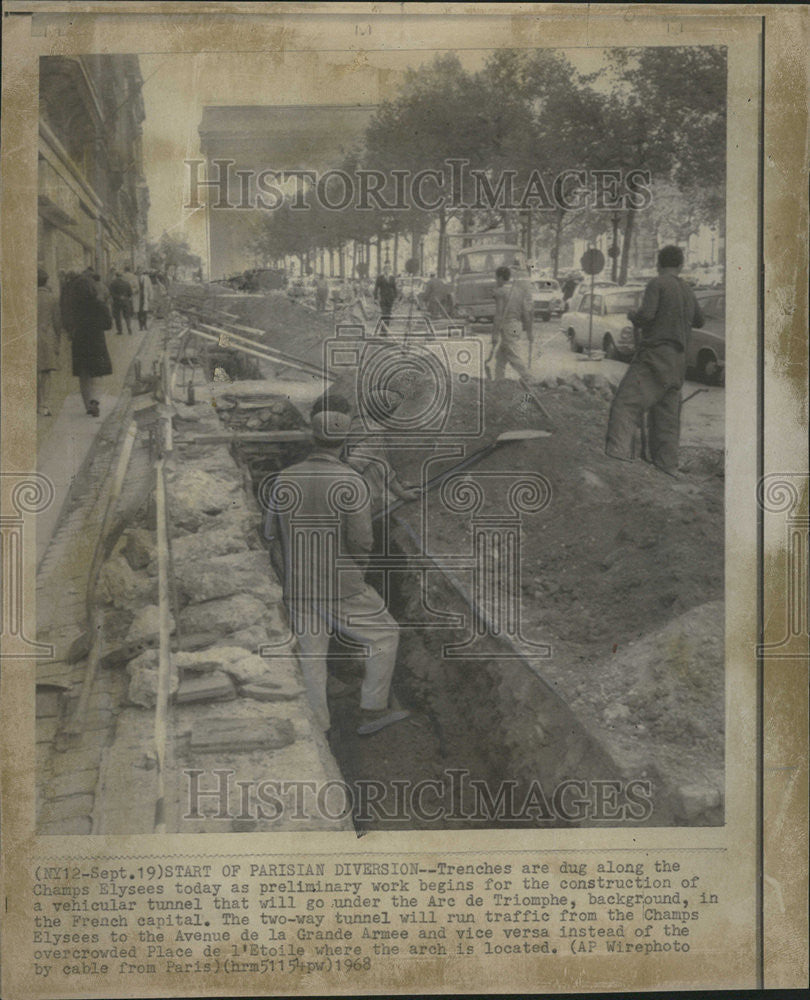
(235, 437)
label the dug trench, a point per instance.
(621, 575)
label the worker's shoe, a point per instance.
(372, 721)
(672, 473)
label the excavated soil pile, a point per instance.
(621, 574)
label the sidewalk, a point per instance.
(64, 440)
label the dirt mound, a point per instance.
(621, 574)
(289, 326)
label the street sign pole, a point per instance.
(592, 263)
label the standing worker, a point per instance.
(652, 384)
(319, 597)
(513, 313)
(385, 293)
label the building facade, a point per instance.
(265, 137)
(93, 199)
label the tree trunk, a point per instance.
(396, 251)
(626, 241)
(558, 221)
(379, 254)
(441, 265)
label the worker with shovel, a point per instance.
(320, 509)
(652, 384)
(513, 314)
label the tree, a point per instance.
(172, 252)
(666, 113)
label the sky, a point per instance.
(178, 86)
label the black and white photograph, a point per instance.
(404, 498)
(486, 302)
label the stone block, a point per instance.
(231, 735)
(77, 826)
(139, 548)
(75, 783)
(68, 761)
(73, 807)
(216, 686)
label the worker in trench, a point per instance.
(320, 509)
(652, 384)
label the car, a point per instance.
(706, 353)
(612, 330)
(474, 291)
(547, 298)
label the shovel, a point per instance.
(505, 438)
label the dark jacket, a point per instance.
(668, 312)
(324, 488)
(385, 290)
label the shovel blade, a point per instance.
(525, 435)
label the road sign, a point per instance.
(592, 261)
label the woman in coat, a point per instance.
(86, 316)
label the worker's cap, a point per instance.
(330, 427)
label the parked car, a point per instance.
(474, 290)
(706, 354)
(612, 330)
(547, 298)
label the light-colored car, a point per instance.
(706, 354)
(547, 298)
(612, 330)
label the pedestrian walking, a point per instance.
(49, 334)
(121, 292)
(319, 508)
(145, 295)
(513, 317)
(321, 293)
(652, 384)
(385, 294)
(85, 317)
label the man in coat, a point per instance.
(652, 383)
(385, 293)
(121, 292)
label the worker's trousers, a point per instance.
(652, 386)
(380, 636)
(507, 352)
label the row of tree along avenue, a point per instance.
(528, 144)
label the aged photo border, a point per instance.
(17, 808)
